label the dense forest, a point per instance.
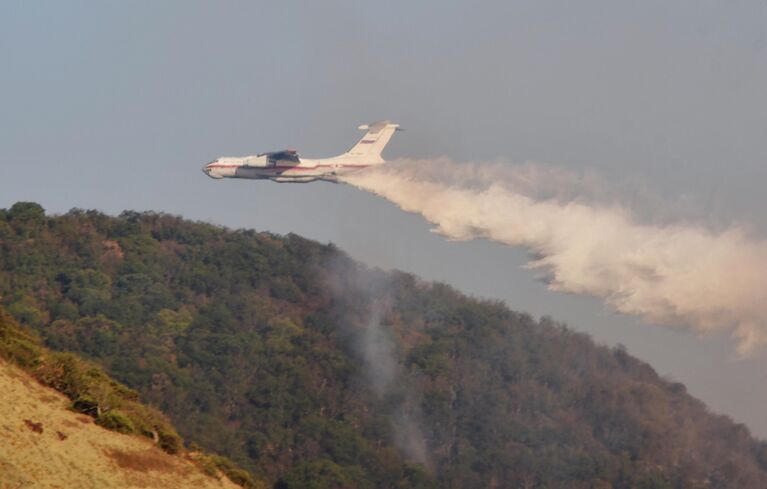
(313, 371)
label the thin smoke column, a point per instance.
(670, 274)
(374, 344)
(383, 372)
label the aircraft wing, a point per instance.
(284, 155)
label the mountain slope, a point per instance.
(307, 368)
(46, 445)
(48, 425)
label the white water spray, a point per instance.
(671, 274)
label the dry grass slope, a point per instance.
(45, 445)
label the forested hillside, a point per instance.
(313, 371)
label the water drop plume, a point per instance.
(585, 241)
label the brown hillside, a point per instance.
(45, 445)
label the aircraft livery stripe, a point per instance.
(302, 168)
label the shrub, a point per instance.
(17, 345)
(116, 421)
(65, 373)
(237, 475)
(170, 441)
(86, 405)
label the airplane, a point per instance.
(287, 167)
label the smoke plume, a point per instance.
(384, 374)
(585, 241)
(367, 299)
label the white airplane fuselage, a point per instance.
(307, 170)
(286, 166)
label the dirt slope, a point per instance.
(44, 445)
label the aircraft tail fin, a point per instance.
(374, 141)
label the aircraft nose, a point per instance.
(208, 170)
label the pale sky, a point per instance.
(117, 105)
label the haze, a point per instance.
(117, 106)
